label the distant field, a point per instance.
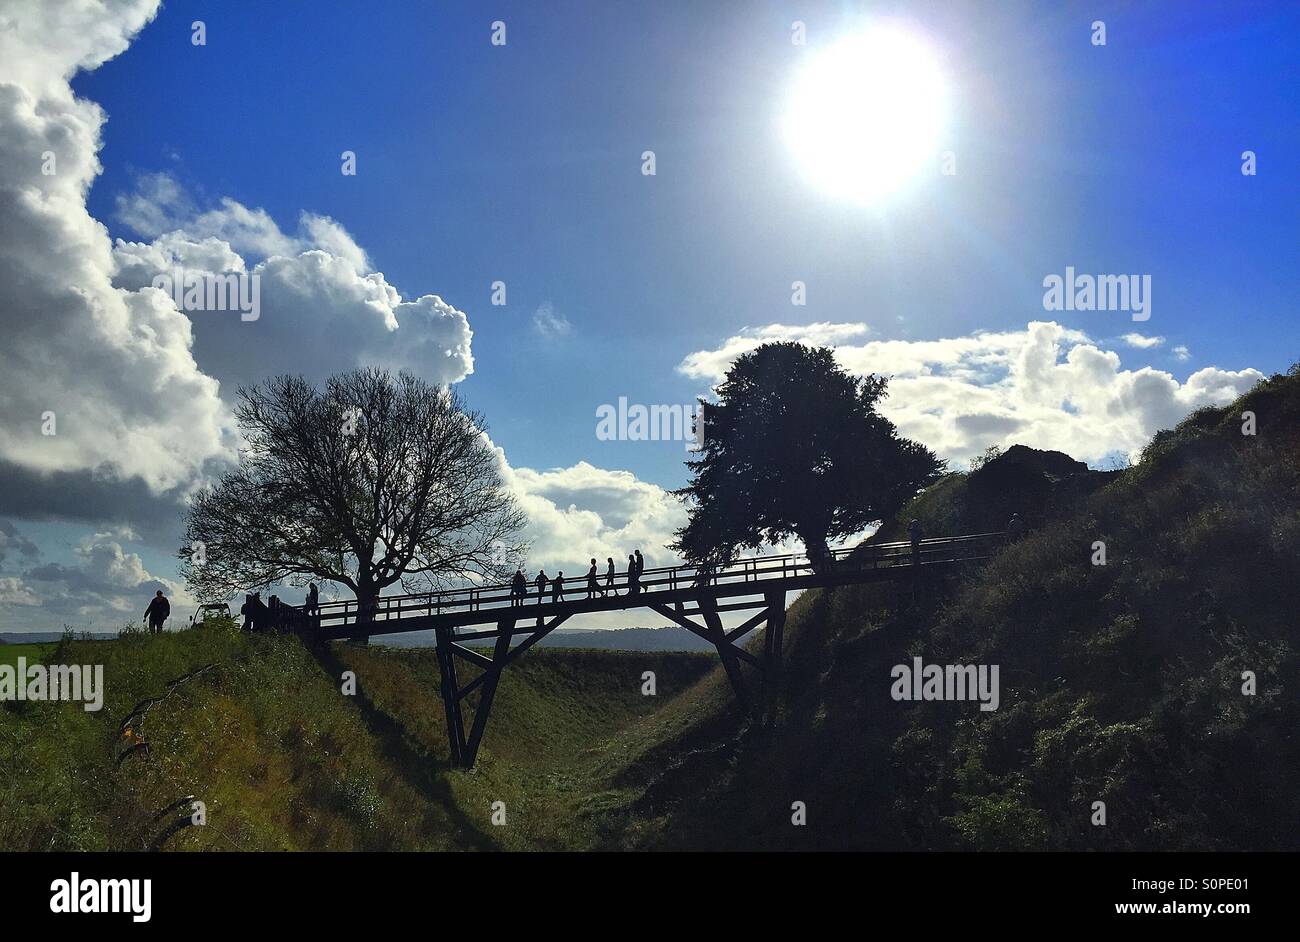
(9, 653)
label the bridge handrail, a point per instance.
(750, 569)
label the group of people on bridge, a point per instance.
(259, 615)
(263, 616)
(635, 566)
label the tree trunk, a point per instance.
(367, 597)
(819, 553)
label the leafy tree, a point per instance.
(376, 480)
(795, 446)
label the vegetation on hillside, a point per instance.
(1121, 683)
(283, 760)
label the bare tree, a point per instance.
(376, 480)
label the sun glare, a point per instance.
(865, 115)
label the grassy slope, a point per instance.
(1120, 683)
(284, 761)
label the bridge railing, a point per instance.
(757, 569)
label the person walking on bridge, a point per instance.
(540, 582)
(518, 588)
(914, 534)
(609, 578)
(157, 612)
(593, 587)
(640, 569)
(254, 612)
(633, 588)
(557, 587)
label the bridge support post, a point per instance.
(772, 644)
(726, 651)
(450, 697)
(490, 680)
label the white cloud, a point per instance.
(582, 511)
(323, 309)
(1181, 353)
(1047, 386)
(550, 323)
(114, 367)
(160, 206)
(1141, 341)
(135, 387)
(711, 364)
(106, 584)
(13, 591)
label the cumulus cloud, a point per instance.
(322, 308)
(13, 591)
(107, 584)
(1141, 341)
(1047, 386)
(711, 364)
(112, 393)
(103, 584)
(1181, 353)
(582, 511)
(109, 372)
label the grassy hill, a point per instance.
(261, 733)
(1120, 683)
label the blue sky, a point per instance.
(522, 163)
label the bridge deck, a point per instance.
(674, 585)
(687, 596)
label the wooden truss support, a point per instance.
(464, 748)
(733, 655)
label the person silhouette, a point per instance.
(1015, 528)
(540, 582)
(632, 576)
(593, 587)
(313, 599)
(609, 578)
(518, 588)
(914, 534)
(640, 569)
(261, 614)
(157, 612)
(557, 587)
(248, 611)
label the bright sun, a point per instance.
(866, 115)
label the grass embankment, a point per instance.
(283, 760)
(1120, 683)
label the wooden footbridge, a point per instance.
(680, 594)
